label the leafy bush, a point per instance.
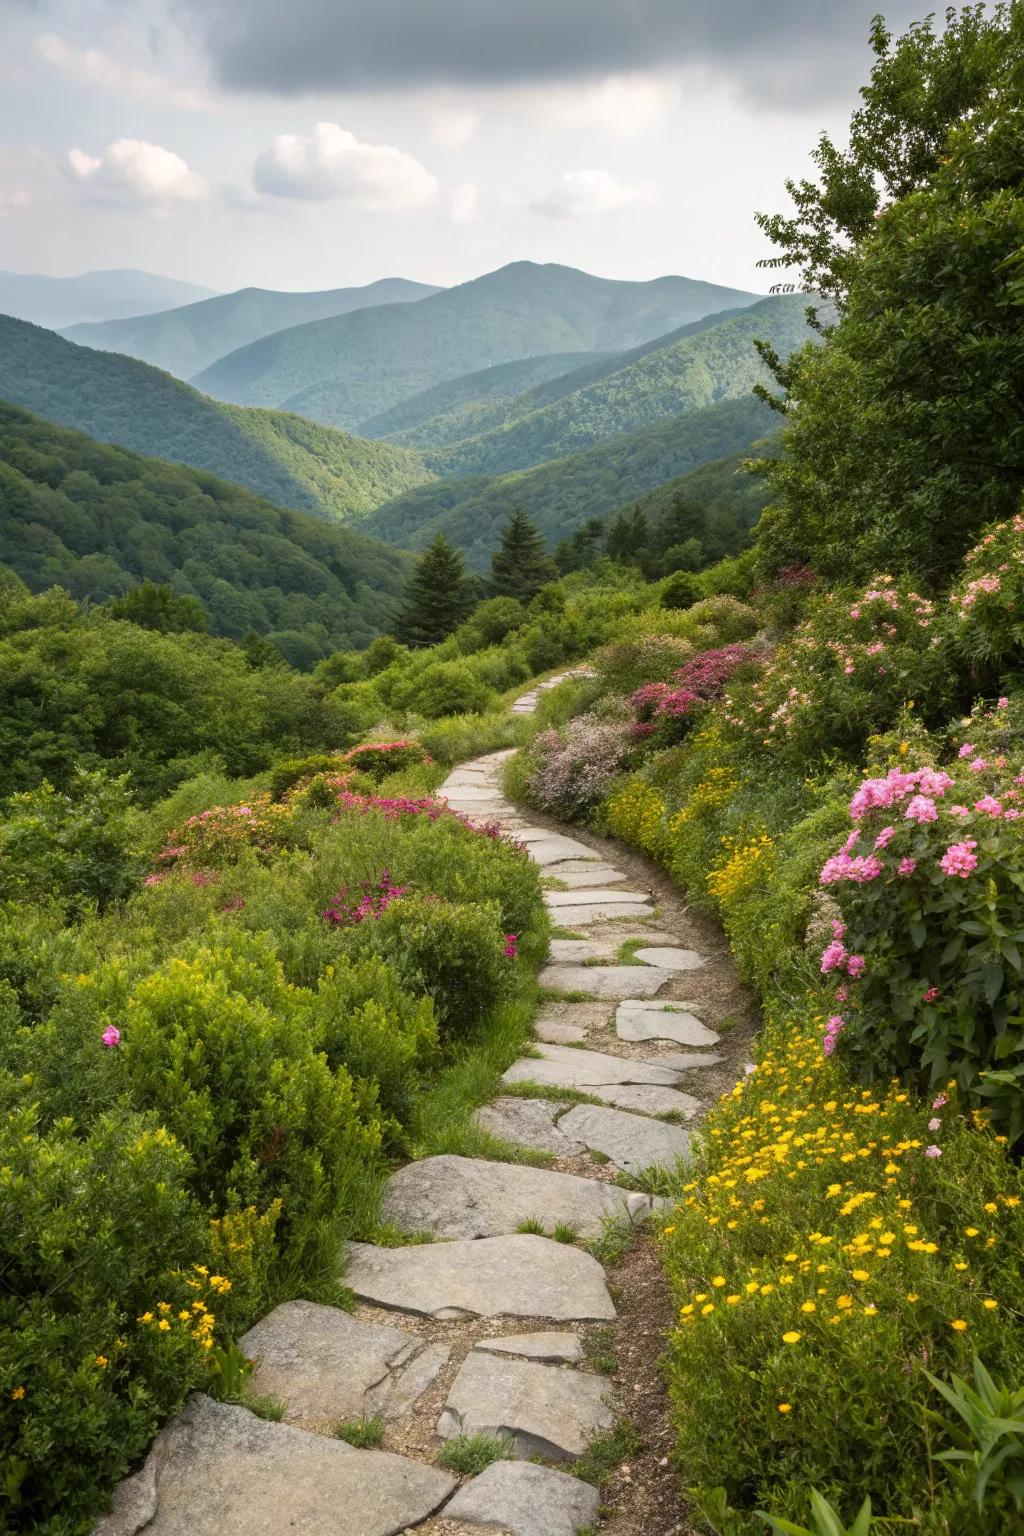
(77, 845)
(572, 768)
(444, 688)
(986, 604)
(379, 758)
(221, 835)
(293, 770)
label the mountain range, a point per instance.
(188, 339)
(61, 301)
(350, 367)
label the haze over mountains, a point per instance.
(187, 340)
(60, 301)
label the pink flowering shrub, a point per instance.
(928, 954)
(369, 900)
(846, 672)
(987, 605)
(220, 835)
(379, 758)
(572, 768)
(668, 707)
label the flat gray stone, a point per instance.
(581, 877)
(649, 1101)
(610, 981)
(638, 1019)
(670, 958)
(218, 1470)
(544, 1412)
(547, 1348)
(558, 1031)
(572, 951)
(325, 1365)
(690, 1061)
(604, 912)
(460, 1197)
(633, 1142)
(414, 1380)
(526, 1500)
(552, 847)
(589, 897)
(562, 1066)
(516, 1276)
(528, 1123)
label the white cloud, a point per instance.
(462, 203)
(93, 67)
(10, 202)
(130, 170)
(453, 127)
(332, 162)
(624, 107)
(580, 194)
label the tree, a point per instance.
(437, 598)
(160, 608)
(520, 565)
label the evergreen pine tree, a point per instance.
(520, 566)
(437, 598)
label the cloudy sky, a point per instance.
(317, 143)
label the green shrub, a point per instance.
(292, 770)
(379, 758)
(454, 738)
(444, 688)
(78, 845)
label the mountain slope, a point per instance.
(186, 340)
(98, 520)
(60, 301)
(562, 493)
(348, 368)
(451, 410)
(685, 374)
(294, 463)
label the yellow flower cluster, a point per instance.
(713, 792)
(747, 865)
(636, 813)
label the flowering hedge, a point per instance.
(987, 606)
(378, 758)
(572, 768)
(666, 708)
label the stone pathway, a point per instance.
(480, 1327)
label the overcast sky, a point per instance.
(317, 143)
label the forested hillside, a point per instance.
(97, 521)
(119, 400)
(351, 367)
(563, 493)
(188, 339)
(681, 376)
(57, 301)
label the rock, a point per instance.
(325, 1365)
(418, 1375)
(545, 1412)
(576, 950)
(551, 847)
(562, 1066)
(577, 876)
(526, 1500)
(690, 1061)
(633, 1142)
(218, 1470)
(636, 1019)
(460, 1197)
(470, 792)
(547, 1348)
(648, 1101)
(671, 958)
(611, 981)
(528, 1123)
(589, 897)
(605, 912)
(558, 1031)
(516, 1276)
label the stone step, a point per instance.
(598, 874)
(543, 1411)
(587, 898)
(551, 848)
(327, 1366)
(603, 912)
(562, 1066)
(633, 1142)
(559, 1031)
(610, 981)
(218, 1470)
(465, 1197)
(671, 958)
(526, 1500)
(636, 1018)
(690, 1061)
(516, 1276)
(644, 1099)
(548, 1348)
(528, 1123)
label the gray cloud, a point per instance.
(812, 49)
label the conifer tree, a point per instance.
(520, 566)
(437, 598)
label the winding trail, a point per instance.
(497, 1326)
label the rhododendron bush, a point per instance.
(987, 606)
(571, 769)
(927, 956)
(667, 708)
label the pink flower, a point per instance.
(906, 866)
(933, 1151)
(921, 809)
(930, 995)
(935, 1124)
(966, 749)
(833, 957)
(856, 966)
(979, 765)
(842, 993)
(959, 810)
(834, 1024)
(941, 1101)
(828, 1045)
(157, 879)
(885, 837)
(1002, 703)
(838, 929)
(111, 1036)
(511, 944)
(959, 859)
(988, 805)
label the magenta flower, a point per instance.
(959, 859)
(511, 945)
(988, 805)
(111, 1036)
(979, 765)
(921, 809)
(930, 995)
(966, 749)
(1002, 703)
(933, 1151)
(941, 1101)
(833, 957)
(842, 994)
(834, 1025)
(906, 866)
(828, 1045)
(856, 966)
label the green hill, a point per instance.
(563, 493)
(685, 374)
(294, 463)
(57, 301)
(98, 520)
(349, 368)
(186, 340)
(449, 411)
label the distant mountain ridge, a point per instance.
(94, 296)
(293, 462)
(188, 339)
(351, 367)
